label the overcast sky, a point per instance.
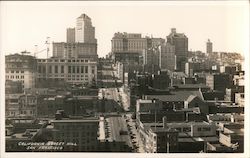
(26, 24)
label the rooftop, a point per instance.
(190, 86)
(161, 129)
(174, 96)
(82, 120)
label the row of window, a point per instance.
(69, 76)
(77, 69)
(13, 77)
(204, 129)
(138, 44)
(29, 101)
(12, 71)
(78, 79)
(27, 112)
(71, 69)
(63, 60)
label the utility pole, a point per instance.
(47, 49)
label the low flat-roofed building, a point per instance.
(190, 145)
(83, 132)
(181, 100)
(161, 140)
(191, 87)
(18, 141)
(12, 105)
(232, 135)
(217, 148)
(195, 129)
(21, 67)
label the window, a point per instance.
(62, 69)
(77, 69)
(22, 71)
(44, 69)
(206, 129)
(56, 69)
(186, 129)
(73, 69)
(82, 69)
(69, 69)
(39, 69)
(86, 69)
(50, 69)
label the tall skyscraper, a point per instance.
(70, 35)
(161, 56)
(209, 46)
(167, 56)
(85, 32)
(180, 41)
(80, 43)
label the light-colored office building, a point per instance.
(70, 35)
(75, 50)
(133, 42)
(73, 71)
(130, 46)
(84, 31)
(20, 67)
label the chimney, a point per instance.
(165, 120)
(173, 30)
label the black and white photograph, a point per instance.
(127, 78)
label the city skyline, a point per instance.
(173, 80)
(224, 30)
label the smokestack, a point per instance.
(173, 30)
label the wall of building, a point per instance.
(73, 71)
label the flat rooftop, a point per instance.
(91, 119)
